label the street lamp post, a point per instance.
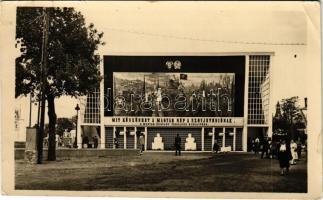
(30, 109)
(77, 108)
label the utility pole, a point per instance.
(43, 85)
(38, 111)
(30, 109)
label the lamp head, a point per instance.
(77, 108)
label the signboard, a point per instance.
(174, 121)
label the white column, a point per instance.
(79, 134)
(146, 134)
(102, 128)
(234, 139)
(124, 138)
(113, 136)
(102, 139)
(202, 139)
(135, 138)
(223, 138)
(244, 138)
(271, 102)
(213, 136)
(245, 111)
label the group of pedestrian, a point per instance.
(255, 145)
(266, 146)
(294, 149)
(141, 143)
(86, 143)
(287, 152)
(177, 144)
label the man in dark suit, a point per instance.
(178, 145)
(96, 142)
(265, 147)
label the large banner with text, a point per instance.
(174, 121)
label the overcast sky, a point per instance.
(203, 27)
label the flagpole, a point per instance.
(43, 79)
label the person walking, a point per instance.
(116, 143)
(177, 145)
(216, 146)
(253, 145)
(248, 144)
(96, 142)
(85, 142)
(265, 147)
(293, 147)
(270, 146)
(257, 145)
(284, 156)
(141, 143)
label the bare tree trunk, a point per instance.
(41, 124)
(52, 123)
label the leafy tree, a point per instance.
(74, 120)
(63, 124)
(288, 117)
(72, 66)
(290, 113)
(279, 124)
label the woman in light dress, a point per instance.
(293, 148)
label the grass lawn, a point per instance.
(236, 172)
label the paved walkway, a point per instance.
(240, 172)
